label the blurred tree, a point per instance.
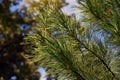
(15, 23)
(78, 50)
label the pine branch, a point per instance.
(101, 60)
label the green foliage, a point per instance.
(70, 50)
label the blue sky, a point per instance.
(69, 9)
(19, 6)
(1, 1)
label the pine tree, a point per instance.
(73, 51)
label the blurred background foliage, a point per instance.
(17, 19)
